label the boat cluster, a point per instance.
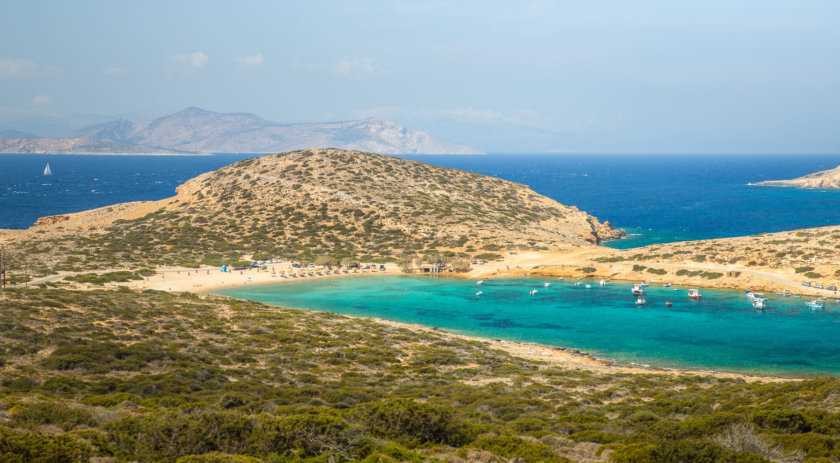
(638, 290)
(760, 302)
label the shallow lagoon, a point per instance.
(720, 332)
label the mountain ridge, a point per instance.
(198, 130)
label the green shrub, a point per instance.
(813, 275)
(35, 448)
(57, 414)
(784, 420)
(413, 422)
(217, 457)
(511, 447)
(803, 269)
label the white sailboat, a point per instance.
(47, 170)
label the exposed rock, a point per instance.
(51, 220)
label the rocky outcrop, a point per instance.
(824, 179)
(51, 220)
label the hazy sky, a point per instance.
(584, 76)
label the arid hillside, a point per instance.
(304, 204)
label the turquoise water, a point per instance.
(720, 332)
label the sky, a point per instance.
(598, 76)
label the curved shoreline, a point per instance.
(562, 357)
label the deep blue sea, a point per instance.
(657, 198)
(722, 331)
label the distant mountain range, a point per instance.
(195, 130)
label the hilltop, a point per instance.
(304, 204)
(823, 179)
(199, 130)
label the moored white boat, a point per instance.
(694, 294)
(637, 290)
(816, 304)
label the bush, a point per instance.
(413, 422)
(813, 275)
(511, 447)
(35, 448)
(803, 269)
(216, 457)
(784, 420)
(41, 413)
(685, 450)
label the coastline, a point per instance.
(108, 154)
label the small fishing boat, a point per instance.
(816, 304)
(667, 285)
(479, 282)
(758, 303)
(694, 294)
(577, 283)
(640, 301)
(637, 290)
(479, 293)
(533, 291)
(643, 284)
(588, 286)
(603, 282)
(547, 284)
(47, 170)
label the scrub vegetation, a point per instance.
(118, 375)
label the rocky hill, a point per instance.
(76, 146)
(308, 203)
(195, 129)
(824, 179)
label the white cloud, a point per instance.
(195, 59)
(298, 66)
(358, 68)
(16, 67)
(114, 70)
(41, 100)
(256, 60)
